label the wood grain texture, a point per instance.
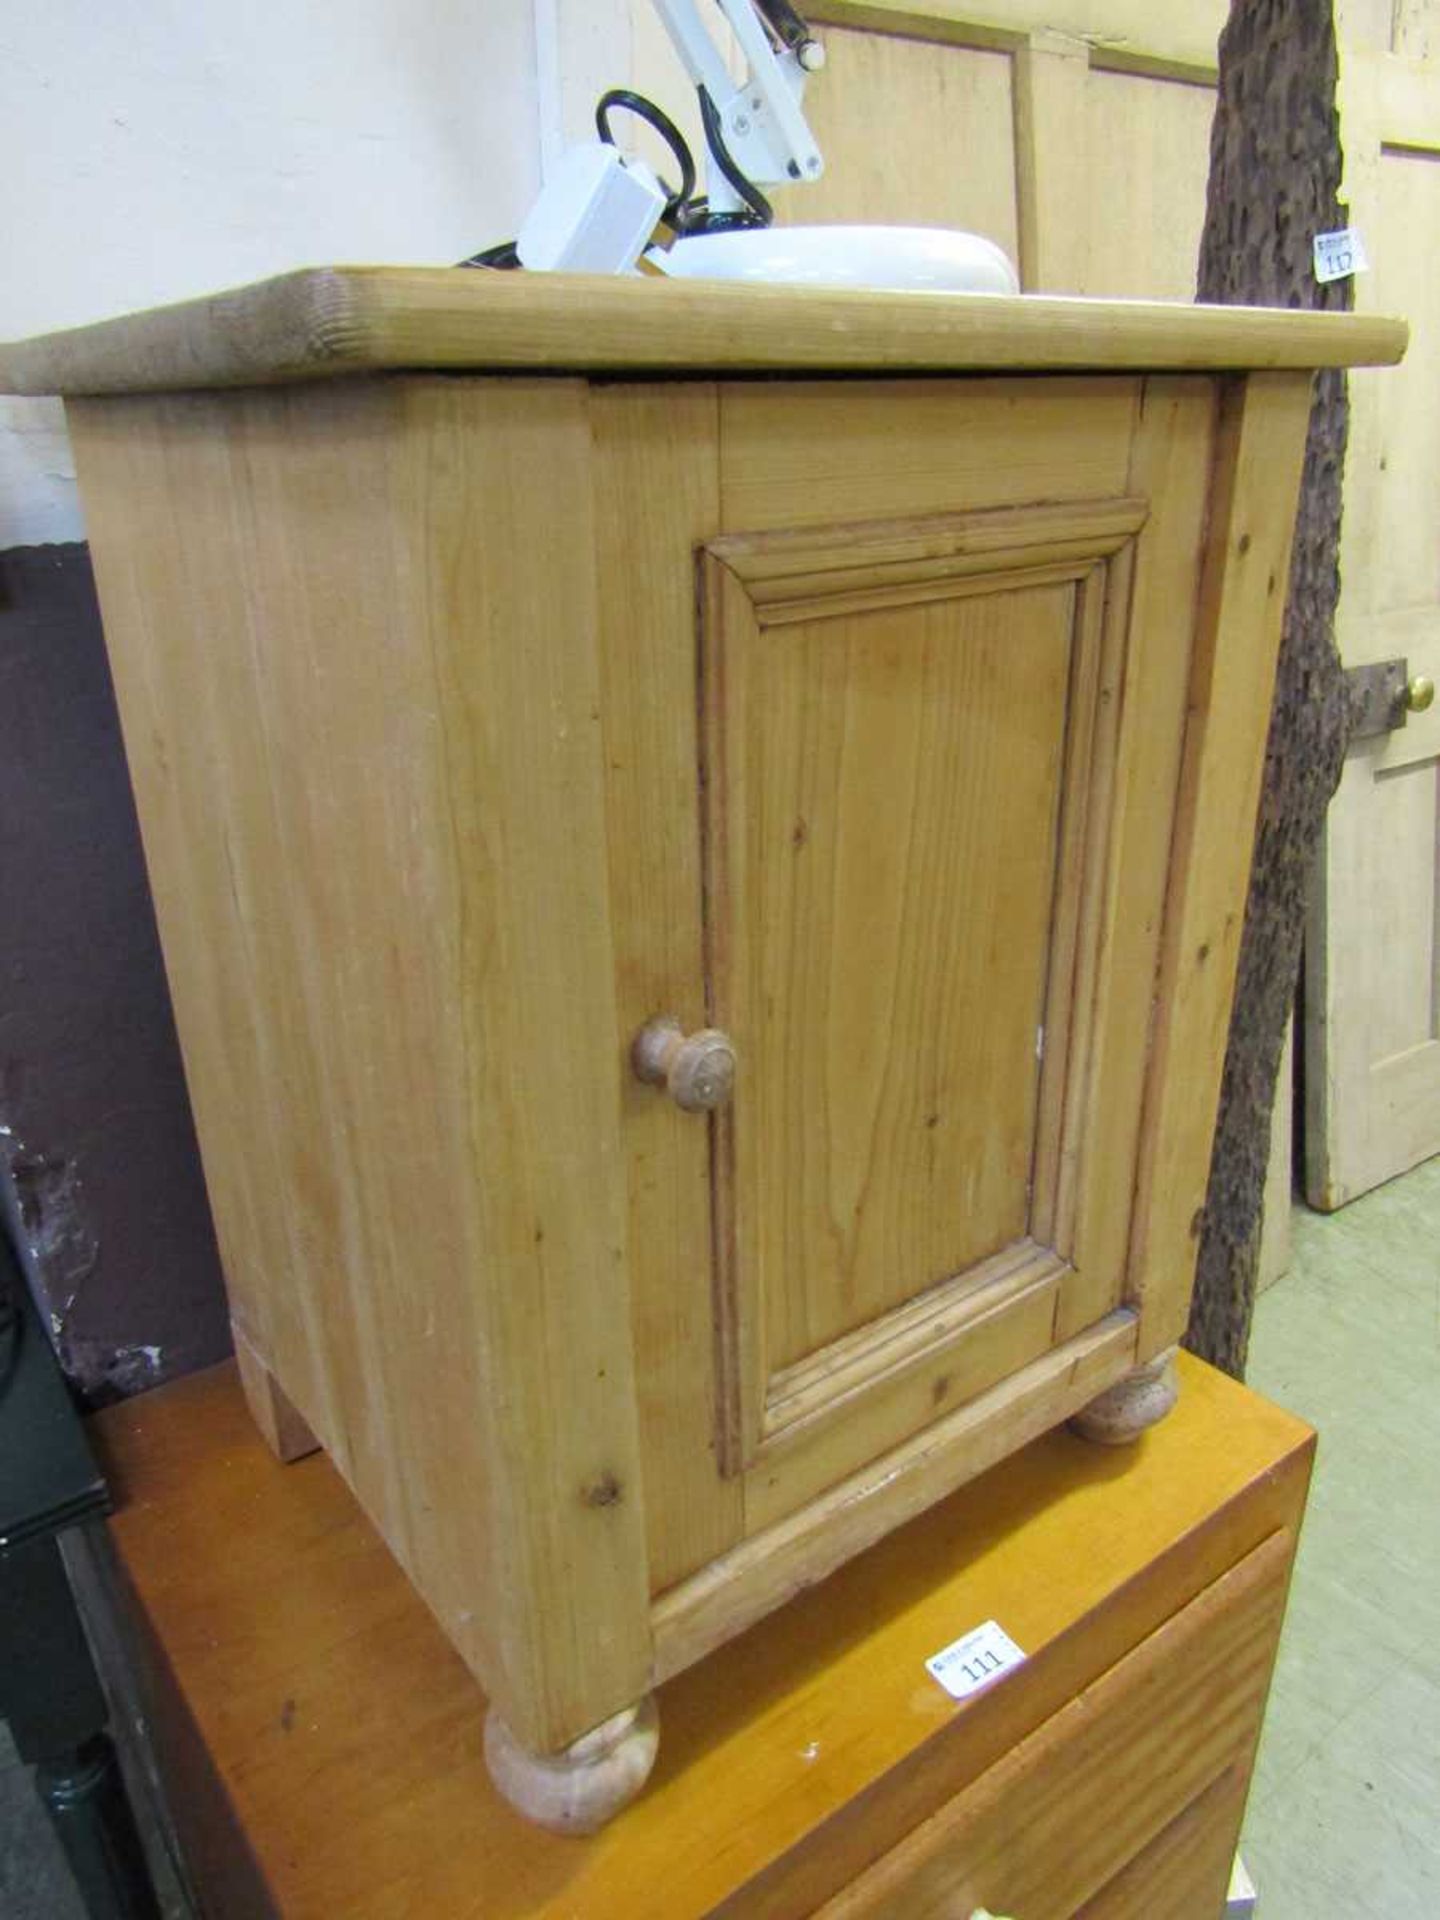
(1058, 1817)
(343, 1735)
(285, 1433)
(854, 1400)
(852, 858)
(661, 444)
(794, 455)
(327, 321)
(1105, 155)
(1260, 447)
(1121, 33)
(1052, 80)
(324, 704)
(780, 1560)
(946, 156)
(444, 809)
(1170, 460)
(859, 882)
(1148, 146)
(1186, 1869)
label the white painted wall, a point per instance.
(163, 148)
(620, 43)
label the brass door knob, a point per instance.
(1420, 693)
(697, 1069)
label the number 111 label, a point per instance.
(974, 1661)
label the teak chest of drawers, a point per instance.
(325, 1757)
(700, 837)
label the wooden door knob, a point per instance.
(697, 1069)
(1420, 693)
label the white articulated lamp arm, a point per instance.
(760, 117)
(601, 207)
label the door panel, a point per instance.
(1147, 161)
(1373, 999)
(946, 157)
(908, 773)
(870, 887)
(976, 705)
(1078, 139)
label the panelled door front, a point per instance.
(937, 676)
(895, 679)
(909, 760)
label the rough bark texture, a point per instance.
(1274, 183)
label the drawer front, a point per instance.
(1057, 1822)
(1184, 1873)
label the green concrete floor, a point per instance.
(1344, 1817)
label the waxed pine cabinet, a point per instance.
(700, 837)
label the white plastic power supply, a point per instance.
(596, 214)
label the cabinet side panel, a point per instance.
(656, 503)
(1260, 445)
(500, 492)
(1170, 470)
(227, 729)
(356, 672)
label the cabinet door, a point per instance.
(895, 681)
(909, 756)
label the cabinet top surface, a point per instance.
(325, 321)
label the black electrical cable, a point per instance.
(657, 118)
(759, 212)
(686, 211)
(504, 257)
(786, 24)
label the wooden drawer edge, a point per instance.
(1116, 1746)
(832, 1846)
(1184, 1872)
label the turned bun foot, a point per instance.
(1124, 1411)
(587, 1783)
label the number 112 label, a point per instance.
(974, 1661)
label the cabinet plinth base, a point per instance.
(586, 1784)
(1124, 1411)
(282, 1426)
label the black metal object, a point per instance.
(50, 1693)
(48, 1478)
(84, 1794)
(1383, 696)
(1378, 698)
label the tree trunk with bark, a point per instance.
(1275, 166)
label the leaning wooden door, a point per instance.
(1075, 136)
(1373, 996)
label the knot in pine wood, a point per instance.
(603, 1491)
